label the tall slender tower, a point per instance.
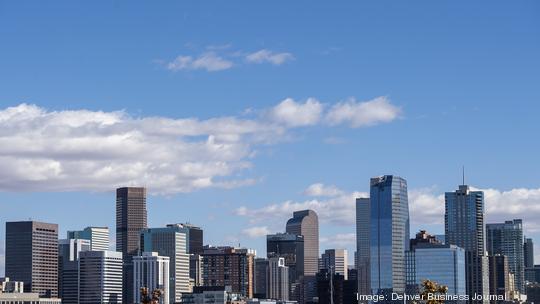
(464, 227)
(389, 233)
(363, 215)
(130, 220)
(32, 256)
(306, 224)
(507, 239)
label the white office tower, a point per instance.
(277, 279)
(335, 261)
(68, 268)
(100, 277)
(151, 271)
(98, 236)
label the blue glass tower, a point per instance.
(389, 233)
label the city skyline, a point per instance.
(233, 120)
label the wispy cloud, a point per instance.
(220, 57)
(358, 114)
(256, 232)
(43, 150)
(341, 240)
(272, 57)
(208, 61)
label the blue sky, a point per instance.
(413, 89)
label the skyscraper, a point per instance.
(260, 280)
(389, 233)
(507, 239)
(130, 220)
(151, 271)
(228, 266)
(464, 227)
(306, 224)
(277, 279)
(363, 215)
(528, 257)
(68, 268)
(499, 275)
(335, 261)
(98, 236)
(32, 256)
(171, 242)
(100, 277)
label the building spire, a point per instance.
(463, 173)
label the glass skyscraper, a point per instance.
(464, 227)
(389, 233)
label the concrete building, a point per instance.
(464, 227)
(335, 261)
(32, 256)
(100, 277)
(98, 236)
(68, 268)
(507, 239)
(306, 224)
(389, 233)
(171, 242)
(277, 286)
(131, 218)
(213, 295)
(8, 286)
(26, 298)
(228, 266)
(151, 271)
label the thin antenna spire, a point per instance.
(463, 172)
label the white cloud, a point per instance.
(320, 189)
(209, 61)
(265, 55)
(340, 240)
(256, 232)
(338, 210)
(296, 114)
(358, 114)
(75, 150)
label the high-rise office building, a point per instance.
(68, 268)
(333, 288)
(195, 238)
(499, 275)
(277, 286)
(32, 256)
(464, 227)
(151, 271)
(507, 239)
(528, 257)
(98, 236)
(389, 233)
(306, 224)
(171, 242)
(259, 285)
(444, 264)
(335, 261)
(131, 218)
(100, 277)
(363, 215)
(228, 266)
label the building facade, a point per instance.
(389, 234)
(100, 277)
(306, 224)
(98, 236)
(277, 286)
(507, 239)
(151, 271)
(261, 268)
(363, 266)
(464, 227)
(32, 256)
(228, 266)
(68, 268)
(335, 261)
(171, 242)
(131, 218)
